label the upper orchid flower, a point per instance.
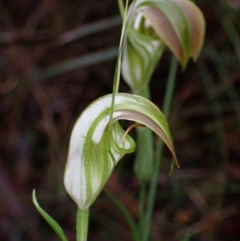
(178, 24)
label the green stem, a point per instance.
(82, 224)
(170, 87)
(159, 148)
(143, 165)
(142, 201)
(121, 8)
(116, 79)
(125, 212)
(232, 33)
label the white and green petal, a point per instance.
(95, 148)
(140, 55)
(153, 24)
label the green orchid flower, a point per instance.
(96, 146)
(154, 24)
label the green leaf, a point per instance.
(55, 226)
(95, 149)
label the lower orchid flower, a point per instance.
(96, 146)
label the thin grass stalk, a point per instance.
(186, 238)
(224, 76)
(159, 149)
(220, 140)
(232, 33)
(125, 212)
(116, 79)
(121, 8)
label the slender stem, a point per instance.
(121, 8)
(143, 161)
(116, 79)
(82, 224)
(142, 201)
(125, 212)
(170, 87)
(159, 148)
(232, 33)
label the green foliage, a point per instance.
(55, 226)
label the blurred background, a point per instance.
(57, 56)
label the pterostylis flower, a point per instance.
(154, 24)
(96, 146)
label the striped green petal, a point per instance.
(95, 148)
(178, 24)
(141, 53)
